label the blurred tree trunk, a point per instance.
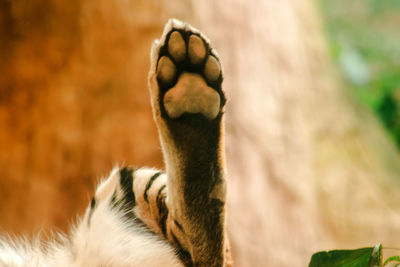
(308, 168)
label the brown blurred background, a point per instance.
(309, 169)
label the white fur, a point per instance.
(108, 240)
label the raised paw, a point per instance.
(185, 82)
(188, 74)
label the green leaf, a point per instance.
(363, 257)
(392, 259)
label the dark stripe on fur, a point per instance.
(149, 184)
(183, 254)
(92, 207)
(114, 199)
(159, 196)
(126, 181)
(179, 226)
(93, 203)
(162, 210)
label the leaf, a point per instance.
(363, 257)
(392, 259)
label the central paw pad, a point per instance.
(191, 95)
(189, 76)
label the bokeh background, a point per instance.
(312, 121)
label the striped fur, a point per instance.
(145, 217)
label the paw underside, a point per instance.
(189, 76)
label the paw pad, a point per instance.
(196, 49)
(197, 99)
(212, 69)
(166, 70)
(189, 76)
(177, 47)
